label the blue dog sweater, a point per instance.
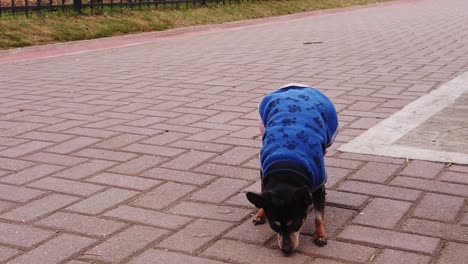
(300, 123)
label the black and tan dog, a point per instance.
(298, 124)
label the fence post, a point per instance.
(77, 4)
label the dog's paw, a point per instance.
(320, 240)
(258, 220)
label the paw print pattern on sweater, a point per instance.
(324, 117)
(269, 138)
(304, 97)
(318, 122)
(292, 99)
(294, 108)
(273, 103)
(302, 136)
(290, 144)
(285, 135)
(288, 121)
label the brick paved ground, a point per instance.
(142, 154)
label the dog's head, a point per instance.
(286, 209)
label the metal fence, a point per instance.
(27, 6)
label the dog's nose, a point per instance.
(287, 249)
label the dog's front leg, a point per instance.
(259, 218)
(320, 238)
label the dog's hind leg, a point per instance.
(318, 197)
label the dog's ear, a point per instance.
(303, 195)
(256, 199)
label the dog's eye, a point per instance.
(290, 223)
(277, 223)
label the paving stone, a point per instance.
(178, 176)
(102, 124)
(138, 165)
(163, 195)
(453, 253)
(458, 168)
(24, 149)
(380, 190)
(367, 158)
(4, 206)
(248, 132)
(236, 155)
(125, 181)
(229, 171)
(63, 126)
(165, 138)
(66, 186)
(195, 236)
(14, 164)
(325, 261)
(390, 256)
(431, 186)
(383, 213)
(342, 163)
(124, 244)
(148, 217)
(21, 235)
(202, 146)
(337, 250)
(11, 142)
(439, 207)
(334, 175)
(31, 174)
(18, 194)
(423, 169)
(436, 229)
(57, 159)
(6, 253)
(225, 213)
(154, 150)
(208, 135)
(39, 208)
(165, 257)
(365, 123)
(84, 170)
(189, 160)
(346, 200)
(55, 250)
(239, 200)
(119, 141)
(335, 219)
(102, 201)
(176, 128)
(237, 251)
(72, 145)
(464, 221)
(135, 130)
(375, 172)
(219, 190)
(248, 232)
(78, 262)
(87, 225)
(455, 177)
(390, 239)
(105, 154)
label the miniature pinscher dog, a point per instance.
(298, 124)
